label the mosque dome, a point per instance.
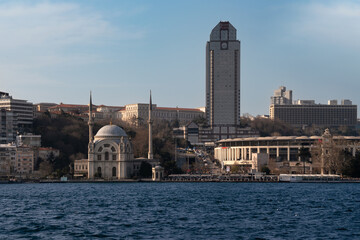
(110, 131)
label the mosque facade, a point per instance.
(110, 153)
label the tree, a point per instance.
(145, 170)
(304, 154)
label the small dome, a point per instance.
(111, 131)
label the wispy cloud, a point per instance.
(55, 25)
(330, 22)
(42, 42)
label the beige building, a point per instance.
(139, 112)
(24, 160)
(16, 160)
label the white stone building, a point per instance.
(110, 154)
(139, 112)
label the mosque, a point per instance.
(110, 153)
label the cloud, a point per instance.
(55, 25)
(330, 22)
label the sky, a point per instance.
(59, 51)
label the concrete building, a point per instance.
(302, 113)
(281, 96)
(223, 86)
(321, 115)
(223, 76)
(21, 108)
(8, 126)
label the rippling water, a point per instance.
(180, 211)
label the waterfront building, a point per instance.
(302, 113)
(8, 126)
(110, 154)
(281, 149)
(22, 109)
(24, 160)
(16, 160)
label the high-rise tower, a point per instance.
(223, 76)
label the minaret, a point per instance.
(91, 154)
(91, 122)
(150, 153)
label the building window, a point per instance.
(99, 157)
(114, 157)
(106, 155)
(114, 171)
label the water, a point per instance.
(180, 211)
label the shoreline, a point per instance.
(27, 181)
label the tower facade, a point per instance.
(223, 76)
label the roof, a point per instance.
(286, 138)
(179, 109)
(110, 131)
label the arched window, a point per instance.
(100, 149)
(113, 149)
(114, 171)
(106, 155)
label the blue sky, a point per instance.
(57, 51)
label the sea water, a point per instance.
(180, 211)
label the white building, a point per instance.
(139, 112)
(110, 154)
(22, 109)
